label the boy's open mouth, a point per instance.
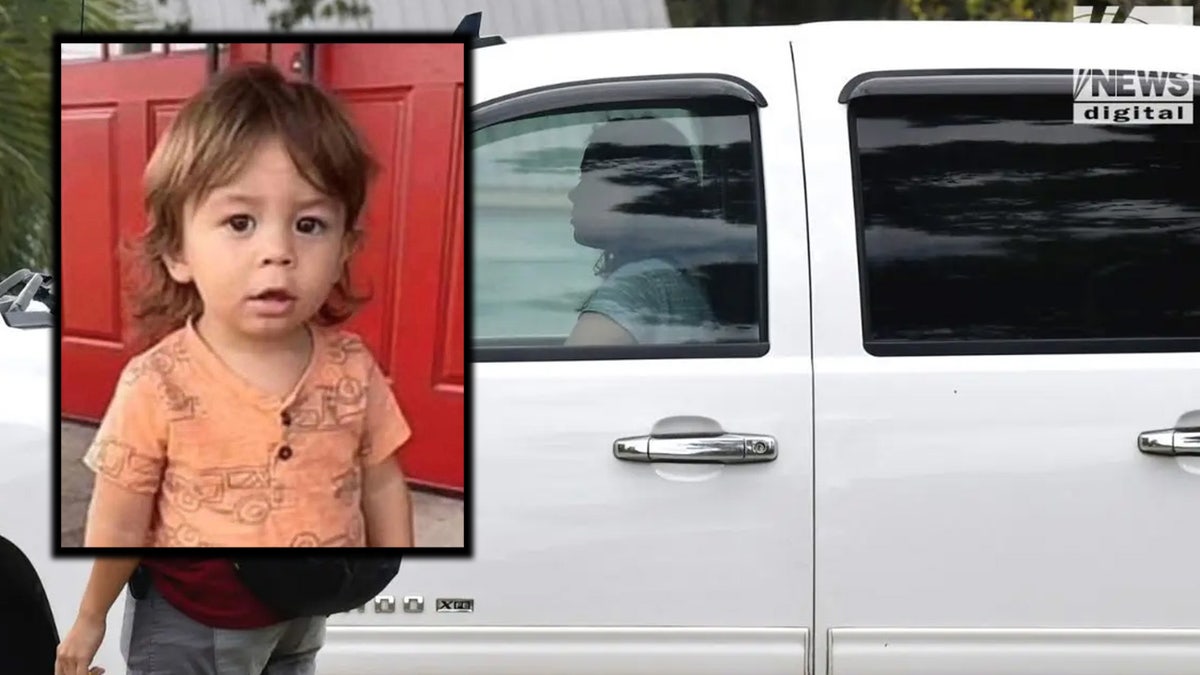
(272, 303)
(273, 294)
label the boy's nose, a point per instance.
(283, 259)
(277, 249)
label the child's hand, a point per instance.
(79, 647)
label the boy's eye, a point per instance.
(240, 223)
(310, 225)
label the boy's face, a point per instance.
(265, 250)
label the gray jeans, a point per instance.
(157, 639)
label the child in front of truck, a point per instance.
(252, 420)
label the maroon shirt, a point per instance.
(208, 591)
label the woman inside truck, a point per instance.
(638, 197)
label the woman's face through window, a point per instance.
(599, 205)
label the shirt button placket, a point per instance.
(285, 450)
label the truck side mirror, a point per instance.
(16, 308)
(18, 319)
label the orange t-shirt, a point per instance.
(233, 466)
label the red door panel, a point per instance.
(374, 267)
(408, 100)
(88, 141)
(111, 111)
(429, 312)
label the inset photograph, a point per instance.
(262, 294)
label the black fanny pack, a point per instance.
(302, 586)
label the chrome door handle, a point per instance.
(723, 449)
(695, 440)
(1170, 442)
(726, 448)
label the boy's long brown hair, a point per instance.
(206, 146)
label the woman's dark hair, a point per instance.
(648, 153)
(651, 152)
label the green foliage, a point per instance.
(991, 10)
(27, 30)
(285, 15)
(298, 11)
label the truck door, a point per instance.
(638, 507)
(1005, 432)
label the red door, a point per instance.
(112, 111)
(408, 100)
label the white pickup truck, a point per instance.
(943, 415)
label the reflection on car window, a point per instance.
(632, 226)
(990, 218)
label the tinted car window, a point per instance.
(648, 216)
(998, 219)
